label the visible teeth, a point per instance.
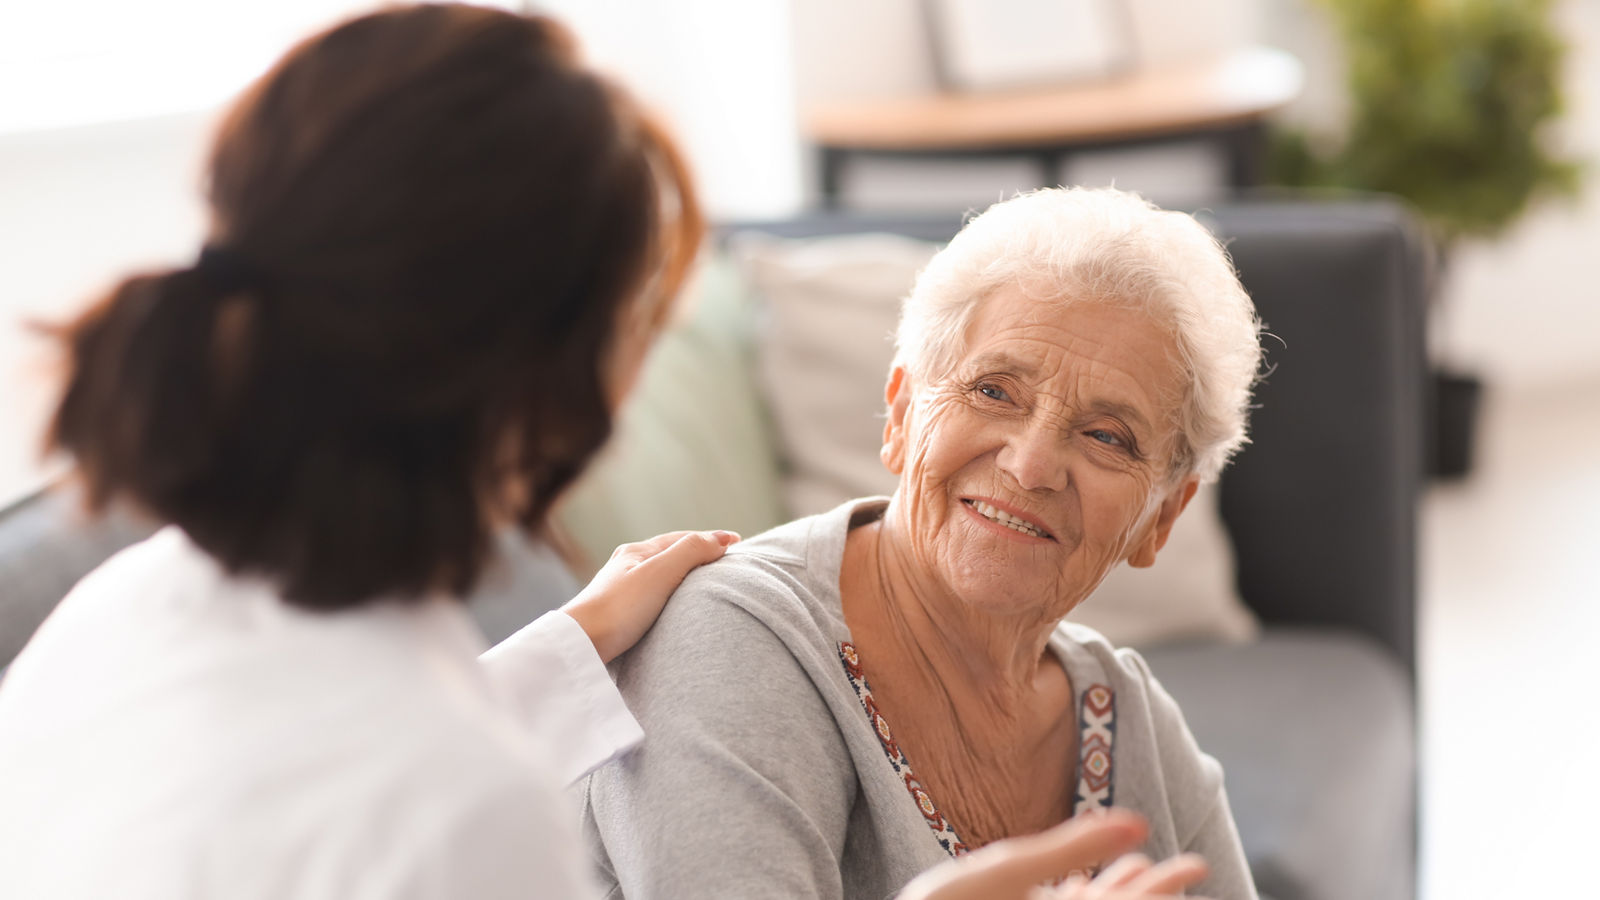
(1004, 518)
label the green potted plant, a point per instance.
(1451, 103)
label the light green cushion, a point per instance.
(693, 448)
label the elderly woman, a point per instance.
(850, 698)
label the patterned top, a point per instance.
(1097, 733)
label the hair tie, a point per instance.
(227, 270)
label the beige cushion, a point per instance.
(1188, 594)
(825, 345)
(829, 307)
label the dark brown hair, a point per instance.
(428, 226)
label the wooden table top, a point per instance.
(1193, 96)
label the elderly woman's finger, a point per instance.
(1123, 871)
(1071, 889)
(1171, 876)
(1082, 842)
(1079, 893)
(1013, 869)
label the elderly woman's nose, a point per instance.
(1036, 458)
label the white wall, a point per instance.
(78, 207)
(722, 73)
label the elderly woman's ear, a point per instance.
(1154, 535)
(897, 394)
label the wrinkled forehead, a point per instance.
(1063, 323)
(1043, 298)
(1120, 353)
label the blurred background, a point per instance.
(1484, 115)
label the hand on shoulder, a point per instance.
(630, 590)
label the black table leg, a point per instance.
(1049, 163)
(831, 165)
(1246, 148)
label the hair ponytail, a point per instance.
(140, 408)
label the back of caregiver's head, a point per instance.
(439, 246)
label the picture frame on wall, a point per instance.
(990, 45)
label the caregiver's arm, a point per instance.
(554, 671)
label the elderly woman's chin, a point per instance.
(1004, 592)
(996, 570)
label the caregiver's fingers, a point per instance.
(680, 556)
(628, 593)
(641, 550)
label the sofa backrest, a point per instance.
(1322, 506)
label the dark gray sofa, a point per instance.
(1314, 723)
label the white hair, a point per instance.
(1073, 244)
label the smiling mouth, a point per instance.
(1001, 517)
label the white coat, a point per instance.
(173, 732)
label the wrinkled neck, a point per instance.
(976, 699)
(977, 658)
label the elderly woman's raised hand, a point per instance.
(1014, 869)
(1133, 877)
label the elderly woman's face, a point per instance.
(1043, 459)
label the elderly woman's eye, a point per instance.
(994, 393)
(1106, 437)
